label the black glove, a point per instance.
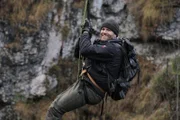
(87, 27)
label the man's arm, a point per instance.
(95, 51)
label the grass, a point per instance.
(78, 3)
(151, 13)
(15, 45)
(24, 16)
(65, 31)
(165, 86)
(33, 110)
(39, 12)
(65, 72)
(23, 13)
(176, 66)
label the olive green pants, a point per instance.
(77, 95)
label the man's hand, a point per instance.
(86, 26)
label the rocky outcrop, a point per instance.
(170, 31)
(116, 9)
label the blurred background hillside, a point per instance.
(37, 39)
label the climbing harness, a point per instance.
(97, 86)
(92, 80)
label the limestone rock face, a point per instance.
(170, 31)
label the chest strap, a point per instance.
(91, 79)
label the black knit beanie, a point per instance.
(112, 25)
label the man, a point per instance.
(100, 57)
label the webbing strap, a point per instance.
(92, 80)
(102, 107)
(104, 100)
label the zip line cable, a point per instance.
(83, 22)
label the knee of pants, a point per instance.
(54, 114)
(92, 97)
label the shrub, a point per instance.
(151, 13)
(166, 85)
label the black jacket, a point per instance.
(100, 57)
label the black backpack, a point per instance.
(119, 87)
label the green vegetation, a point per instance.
(78, 3)
(24, 17)
(15, 45)
(165, 85)
(65, 72)
(65, 31)
(24, 11)
(176, 66)
(19, 97)
(32, 111)
(151, 13)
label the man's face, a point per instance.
(106, 34)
